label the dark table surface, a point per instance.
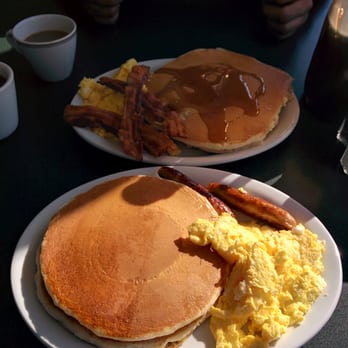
(45, 158)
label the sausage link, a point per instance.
(175, 175)
(253, 206)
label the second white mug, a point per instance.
(8, 101)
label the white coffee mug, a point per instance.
(48, 42)
(8, 101)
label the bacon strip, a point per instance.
(162, 114)
(156, 112)
(156, 142)
(175, 175)
(92, 117)
(132, 120)
(253, 206)
(129, 132)
(115, 84)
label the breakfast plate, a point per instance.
(52, 334)
(190, 156)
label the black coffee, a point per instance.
(46, 35)
(2, 81)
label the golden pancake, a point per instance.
(117, 259)
(226, 100)
(170, 341)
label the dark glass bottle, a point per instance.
(326, 85)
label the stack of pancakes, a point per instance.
(117, 269)
(226, 100)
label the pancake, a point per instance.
(117, 260)
(170, 341)
(226, 100)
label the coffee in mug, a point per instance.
(48, 42)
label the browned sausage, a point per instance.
(253, 206)
(175, 175)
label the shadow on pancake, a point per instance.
(206, 253)
(138, 193)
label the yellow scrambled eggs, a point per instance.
(93, 93)
(275, 279)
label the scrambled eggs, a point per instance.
(93, 93)
(275, 279)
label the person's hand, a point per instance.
(103, 11)
(284, 17)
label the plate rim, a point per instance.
(109, 146)
(26, 243)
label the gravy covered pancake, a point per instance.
(118, 261)
(225, 99)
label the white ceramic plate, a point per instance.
(189, 156)
(51, 333)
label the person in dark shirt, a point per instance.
(283, 17)
(102, 11)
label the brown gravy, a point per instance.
(46, 35)
(210, 89)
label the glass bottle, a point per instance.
(326, 85)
